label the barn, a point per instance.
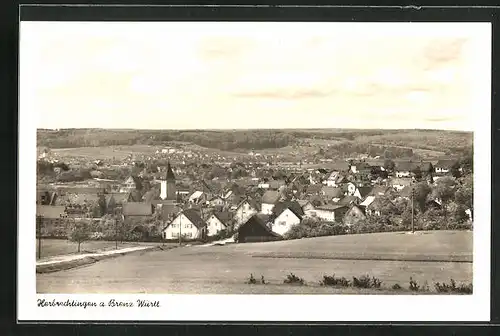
(256, 230)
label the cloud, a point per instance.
(440, 52)
(298, 93)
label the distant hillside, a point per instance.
(341, 139)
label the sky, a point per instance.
(186, 75)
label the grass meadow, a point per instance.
(392, 257)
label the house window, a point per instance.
(282, 223)
(188, 226)
(175, 234)
(174, 225)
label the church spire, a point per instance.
(170, 173)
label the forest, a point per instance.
(374, 142)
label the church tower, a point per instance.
(168, 191)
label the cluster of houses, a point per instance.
(258, 209)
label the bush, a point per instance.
(251, 280)
(414, 285)
(453, 288)
(312, 227)
(366, 282)
(335, 282)
(397, 287)
(292, 279)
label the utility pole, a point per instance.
(412, 214)
(180, 227)
(39, 233)
(116, 232)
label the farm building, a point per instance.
(256, 230)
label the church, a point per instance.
(167, 185)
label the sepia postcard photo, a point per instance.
(254, 171)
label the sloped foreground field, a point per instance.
(391, 257)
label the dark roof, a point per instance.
(322, 171)
(379, 190)
(376, 162)
(138, 181)
(224, 216)
(170, 174)
(446, 163)
(425, 166)
(401, 181)
(264, 218)
(405, 192)
(331, 207)
(338, 166)
(79, 190)
(347, 200)
(377, 204)
(250, 201)
(50, 211)
(294, 206)
(260, 220)
(365, 191)
(362, 165)
(314, 188)
(119, 197)
(332, 192)
(169, 209)
(275, 184)
(151, 195)
(405, 166)
(206, 187)
(194, 217)
(77, 199)
(270, 197)
(137, 209)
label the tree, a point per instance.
(466, 162)
(417, 173)
(464, 194)
(444, 191)
(421, 192)
(389, 165)
(458, 214)
(102, 205)
(455, 170)
(79, 232)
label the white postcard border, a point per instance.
(474, 307)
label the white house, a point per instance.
(445, 166)
(285, 220)
(269, 200)
(187, 224)
(244, 211)
(400, 183)
(307, 207)
(330, 212)
(197, 197)
(218, 222)
(217, 201)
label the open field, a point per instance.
(224, 269)
(104, 152)
(57, 247)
